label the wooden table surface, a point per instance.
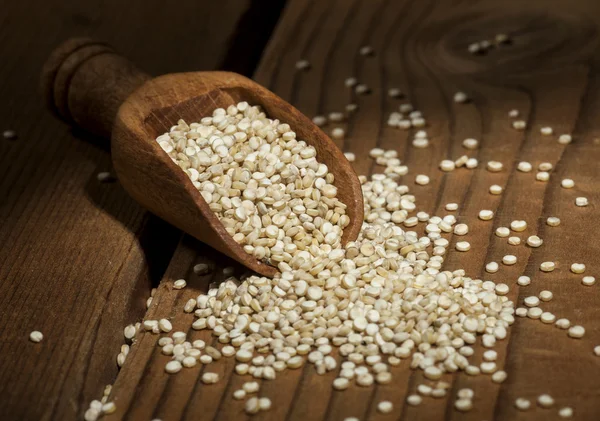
(78, 258)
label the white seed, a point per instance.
(239, 394)
(165, 325)
(451, 207)
(499, 376)
(567, 183)
(470, 143)
(562, 324)
(542, 176)
(433, 373)
(109, 408)
(385, 407)
(350, 156)
(576, 332)
(173, 366)
(179, 284)
(414, 400)
(524, 166)
(341, 383)
(547, 266)
(129, 332)
(447, 165)
(488, 367)
(535, 313)
(210, 378)
(597, 350)
(534, 241)
(338, 133)
(463, 246)
(252, 405)
(514, 241)
(565, 139)
(422, 179)
(394, 93)
(519, 125)
(531, 301)
(189, 362)
(566, 412)
(495, 189)
(461, 229)
(463, 405)
(36, 336)
(518, 225)
(546, 295)
(553, 221)
(501, 289)
(9, 134)
(577, 268)
(545, 166)
(361, 89)
(492, 267)
(350, 108)
(581, 201)
(509, 259)
(502, 232)
(524, 280)
(420, 143)
(460, 97)
(494, 166)
(545, 401)
(522, 404)
(547, 317)
(486, 215)
(546, 131)
(513, 113)
(264, 403)
(350, 82)
(319, 120)
(302, 65)
(588, 280)
(104, 177)
(366, 50)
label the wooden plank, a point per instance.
(79, 257)
(549, 73)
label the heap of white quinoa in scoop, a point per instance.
(380, 299)
(266, 186)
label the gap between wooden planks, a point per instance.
(549, 74)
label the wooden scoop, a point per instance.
(88, 85)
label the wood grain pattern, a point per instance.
(550, 73)
(78, 257)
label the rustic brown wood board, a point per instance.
(54, 270)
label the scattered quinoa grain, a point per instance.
(522, 404)
(36, 336)
(545, 401)
(567, 183)
(581, 201)
(565, 412)
(547, 266)
(486, 215)
(588, 280)
(576, 332)
(179, 284)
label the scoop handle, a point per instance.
(84, 82)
